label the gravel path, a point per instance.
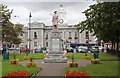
(54, 69)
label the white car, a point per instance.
(82, 49)
(100, 48)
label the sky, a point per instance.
(42, 11)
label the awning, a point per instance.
(78, 43)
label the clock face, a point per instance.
(61, 21)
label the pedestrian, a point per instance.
(96, 53)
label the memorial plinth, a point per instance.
(55, 54)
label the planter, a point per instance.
(73, 64)
(15, 61)
(31, 64)
(95, 61)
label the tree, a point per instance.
(10, 32)
(103, 19)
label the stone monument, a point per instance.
(55, 54)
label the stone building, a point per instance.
(40, 33)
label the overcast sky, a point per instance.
(42, 11)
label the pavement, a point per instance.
(54, 69)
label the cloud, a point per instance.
(57, 0)
(42, 11)
(44, 0)
(20, 14)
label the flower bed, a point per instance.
(31, 64)
(16, 74)
(73, 64)
(15, 61)
(95, 61)
(26, 57)
(77, 74)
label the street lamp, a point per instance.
(30, 31)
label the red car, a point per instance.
(23, 50)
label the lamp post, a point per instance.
(30, 32)
(78, 35)
(15, 44)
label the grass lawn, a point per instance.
(7, 67)
(102, 56)
(108, 67)
(20, 56)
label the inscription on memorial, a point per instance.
(55, 44)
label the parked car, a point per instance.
(11, 49)
(70, 49)
(100, 48)
(82, 50)
(37, 50)
(23, 50)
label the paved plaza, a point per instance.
(54, 69)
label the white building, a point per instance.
(40, 34)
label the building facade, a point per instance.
(40, 33)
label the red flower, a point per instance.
(16, 74)
(77, 74)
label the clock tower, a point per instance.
(62, 16)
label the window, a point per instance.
(46, 35)
(87, 35)
(35, 35)
(86, 32)
(35, 44)
(64, 34)
(87, 41)
(75, 36)
(70, 35)
(46, 44)
(26, 34)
